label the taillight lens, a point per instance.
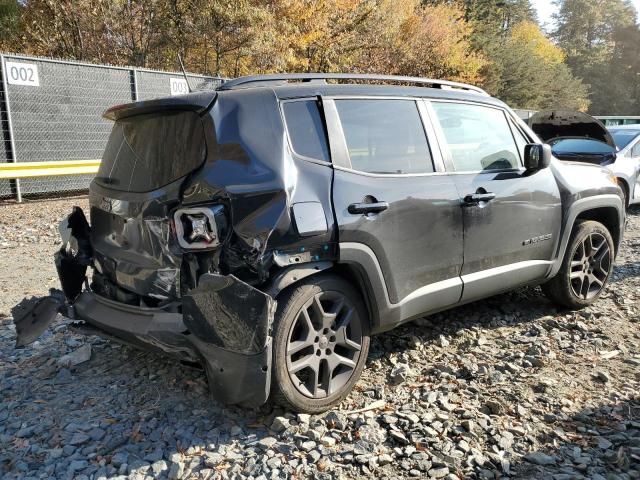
(200, 228)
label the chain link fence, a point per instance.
(51, 110)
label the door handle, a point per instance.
(364, 208)
(476, 198)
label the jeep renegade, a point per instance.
(266, 229)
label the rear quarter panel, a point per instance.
(252, 170)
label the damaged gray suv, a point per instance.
(266, 229)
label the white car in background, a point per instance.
(627, 164)
(578, 137)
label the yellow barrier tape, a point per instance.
(10, 171)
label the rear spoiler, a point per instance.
(198, 102)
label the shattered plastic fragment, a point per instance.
(33, 315)
(76, 253)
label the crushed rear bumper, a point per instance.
(223, 323)
(236, 377)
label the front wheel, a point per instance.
(586, 267)
(321, 341)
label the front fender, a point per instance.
(580, 207)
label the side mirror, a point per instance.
(537, 156)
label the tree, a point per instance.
(623, 75)
(318, 35)
(431, 41)
(529, 72)
(495, 43)
(10, 12)
(585, 29)
(495, 16)
(388, 36)
(499, 15)
(601, 40)
(522, 66)
(122, 31)
(224, 33)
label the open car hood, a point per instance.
(552, 124)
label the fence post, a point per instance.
(10, 124)
(134, 73)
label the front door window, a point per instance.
(479, 137)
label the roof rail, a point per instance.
(253, 80)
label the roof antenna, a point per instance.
(186, 79)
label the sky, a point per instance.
(546, 8)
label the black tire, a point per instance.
(586, 267)
(321, 330)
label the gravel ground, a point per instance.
(507, 387)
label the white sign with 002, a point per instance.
(19, 73)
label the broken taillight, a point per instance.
(200, 228)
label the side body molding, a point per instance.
(483, 284)
(384, 314)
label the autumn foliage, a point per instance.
(238, 37)
(496, 44)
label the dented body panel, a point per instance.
(257, 176)
(227, 312)
(133, 242)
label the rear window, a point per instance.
(306, 130)
(147, 152)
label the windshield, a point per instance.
(623, 137)
(580, 145)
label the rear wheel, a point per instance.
(321, 340)
(586, 267)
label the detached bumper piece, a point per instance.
(33, 315)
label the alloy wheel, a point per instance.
(324, 344)
(590, 266)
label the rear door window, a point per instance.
(306, 129)
(384, 136)
(478, 137)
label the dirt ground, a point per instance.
(509, 387)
